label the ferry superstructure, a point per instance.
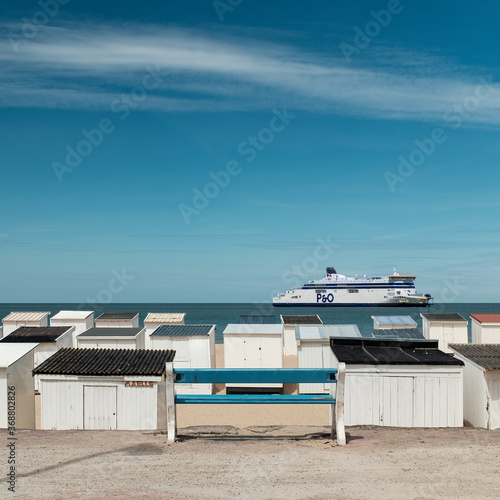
(339, 290)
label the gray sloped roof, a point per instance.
(485, 355)
(183, 330)
(118, 315)
(111, 332)
(397, 333)
(324, 332)
(443, 317)
(106, 362)
(305, 319)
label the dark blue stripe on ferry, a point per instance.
(332, 304)
(351, 287)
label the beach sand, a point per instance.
(257, 463)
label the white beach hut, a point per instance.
(400, 383)
(253, 346)
(481, 383)
(81, 320)
(194, 347)
(14, 320)
(447, 328)
(112, 338)
(485, 328)
(103, 389)
(314, 351)
(49, 339)
(118, 320)
(154, 320)
(398, 322)
(16, 363)
(288, 324)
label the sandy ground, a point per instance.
(257, 463)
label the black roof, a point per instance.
(111, 332)
(183, 330)
(398, 333)
(306, 319)
(249, 319)
(118, 315)
(36, 334)
(390, 352)
(106, 362)
(485, 355)
(443, 317)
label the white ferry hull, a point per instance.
(340, 291)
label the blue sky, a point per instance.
(204, 151)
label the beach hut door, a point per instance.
(99, 407)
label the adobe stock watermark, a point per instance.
(31, 27)
(297, 274)
(249, 149)
(363, 36)
(449, 294)
(223, 6)
(453, 118)
(116, 284)
(94, 137)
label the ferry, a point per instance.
(342, 291)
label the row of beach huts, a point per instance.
(109, 372)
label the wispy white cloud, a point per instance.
(87, 67)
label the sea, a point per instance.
(222, 314)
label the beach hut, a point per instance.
(16, 319)
(447, 328)
(154, 320)
(289, 341)
(118, 320)
(485, 328)
(400, 383)
(398, 322)
(99, 389)
(112, 338)
(313, 350)
(194, 346)
(81, 320)
(49, 339)
(16, 363)
(481, 383)
(253, 346)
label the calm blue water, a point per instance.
(222, 314)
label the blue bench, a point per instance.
(257, 376)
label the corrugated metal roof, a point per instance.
(10, 353)
(111, 332)
(26, 316)
(183, 330)
(118, 315)
(249, 319)
(324, 332)
(255, 329)
(164, 317)
(306, 319)
(444, 317)
(394, 320)
(485, 355)
(390, 352)
(64, 315)
(106, 362)
(398, 333)
(36, 334)
(486, 318)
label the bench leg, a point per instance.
(338, 427)
(171, 414)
